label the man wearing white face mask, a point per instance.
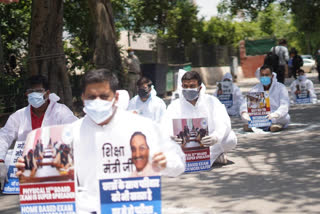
(43, 110)
(302, 80)
(279, 100)
(104, 121)
(192, 103)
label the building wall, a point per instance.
(249, 64)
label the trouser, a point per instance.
(226, 145)
(132, 86)
(280, 73)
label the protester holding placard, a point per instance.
(196, 104)
(43, 110)
(231, 98)
(146, 103)
(302, 90)
(279, 100)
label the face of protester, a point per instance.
(38, 88)
(266, 73)
(144, 91)
(140, 152)
(100, 91)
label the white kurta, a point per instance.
(153, 108)
(237, 97)
(310, 88)
(87, 135)
(19, 123)
(279, 101)
(208, 107)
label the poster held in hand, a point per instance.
(258, 104)
(224, 93)
(128, 181)
(191, 131)
(303, 95)
(47, 182)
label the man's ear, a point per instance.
(116, 97)
(47, 93)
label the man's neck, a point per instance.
(266, 88)
(41, 110)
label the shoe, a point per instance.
(276, 127)
(222, 159)
(246, 128)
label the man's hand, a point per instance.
(20, 166)
(176, 139)
(159, 160)
(245, 116)
(209, 140)
(272, 116)
(3, 174)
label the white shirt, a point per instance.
(309, 87)
(88, 134)
(19, 125)
(279, 98)
(153, 108)
(209, 107)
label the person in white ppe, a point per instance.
(43, 110)
(124, 99)
(104, 120)
(193, 103)
(302, 80)
(146, 103)
(237, 97)
(279, 99)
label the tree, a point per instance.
(46, 54)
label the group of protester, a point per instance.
(108, 111)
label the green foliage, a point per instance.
(15, 22)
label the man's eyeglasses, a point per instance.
(31, 90)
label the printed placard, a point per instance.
(191, 131)
(258, 104)
(47, 183)
(12, 185)
(128, 181)
(224, 93)
(303, 95)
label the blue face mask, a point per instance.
(265, 81)
(36, 99)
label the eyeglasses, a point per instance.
(31, 90)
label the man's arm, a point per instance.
(8, 134)
(66, 115)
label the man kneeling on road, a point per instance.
(192, 103)
(43, 110)
(105, 121)
(279, 100)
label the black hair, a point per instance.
(139, 133)
(144, 80)
(99, 76)
(300, 70)
(294, 51)
(266, 66)
(36, 80)
(282, 42)
(192, 75)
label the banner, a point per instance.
(224, 93)
(47, 183)
(128, 181)
(191, 131)
(303, 95)
(12, 185)
(258, 104)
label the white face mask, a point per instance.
(36, 99)
(98, 110)
(190, 94)
(302, 77)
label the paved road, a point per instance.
(267, 173)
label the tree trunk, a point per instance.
(46, 54)
(106, 52)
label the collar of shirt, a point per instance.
(36, 121)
